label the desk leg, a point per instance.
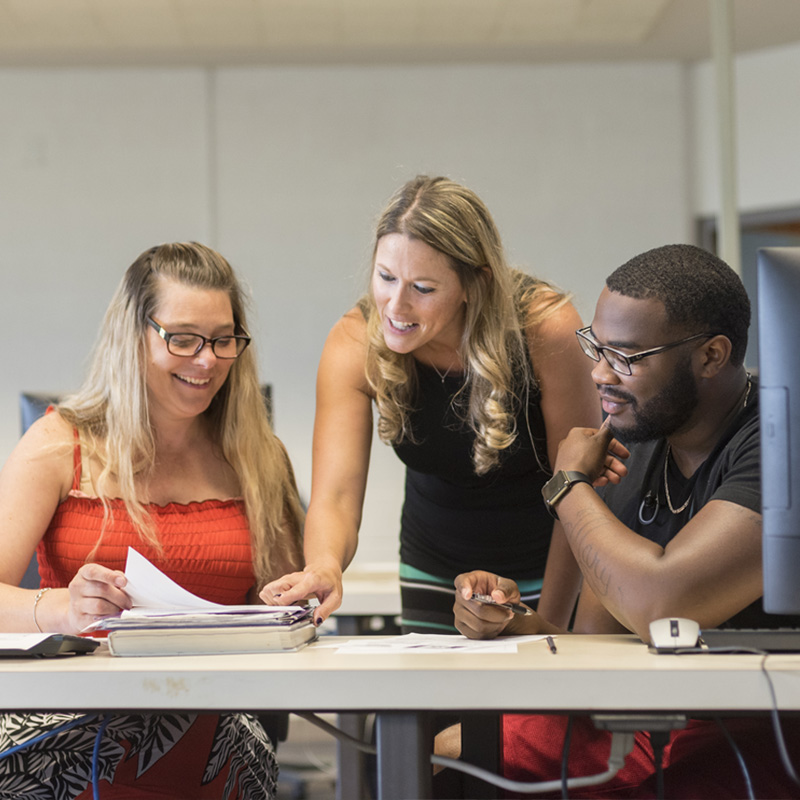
(350, 783)
(405, 743)
(481, 745)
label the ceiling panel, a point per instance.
(151, 32)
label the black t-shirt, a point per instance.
(731, 472)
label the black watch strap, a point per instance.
(555, 489)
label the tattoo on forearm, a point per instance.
(588, 555)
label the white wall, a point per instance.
(285, 169)
(767, 107)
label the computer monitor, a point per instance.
(779, 399)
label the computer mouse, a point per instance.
(672, 633)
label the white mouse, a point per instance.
(672, 633)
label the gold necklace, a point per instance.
(666, 462)
(666, 487)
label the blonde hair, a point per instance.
(111, 410)
(454, 221)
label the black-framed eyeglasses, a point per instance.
(187, 345)
(621, 362)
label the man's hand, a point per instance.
(595, 452)
(485, 621)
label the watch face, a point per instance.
(558, 486)
(553, 489)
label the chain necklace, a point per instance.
(666, 462)
(666, 487)
(447, 372)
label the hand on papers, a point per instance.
(480, 621)
(96, 592)
(155, 600)
(317, 580)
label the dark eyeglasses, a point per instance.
(621, 362)
(187, 345)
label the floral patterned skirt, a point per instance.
(127, 756)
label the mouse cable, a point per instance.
(739, 757)
(774, 715)
(776, 723)
(621, 745)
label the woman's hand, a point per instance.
(95, 592)
(320, 580)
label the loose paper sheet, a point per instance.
(432, 643)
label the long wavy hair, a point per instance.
(454, 221)
(111, 413)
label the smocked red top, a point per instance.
(206, 544)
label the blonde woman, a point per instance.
(167, 447)
(476, 376)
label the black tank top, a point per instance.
(453, 520)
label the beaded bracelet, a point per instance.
(39, 595)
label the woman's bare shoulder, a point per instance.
(46, 452)
(50, 429)
(345, 352)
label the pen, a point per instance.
(516, 608)
(551, 644)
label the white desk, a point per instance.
(370, 590)
(588, 674)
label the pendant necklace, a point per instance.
(442, 376)
(666, 462)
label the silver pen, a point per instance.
(516, 608)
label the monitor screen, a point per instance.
(779, 399)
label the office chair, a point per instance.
(31, 407)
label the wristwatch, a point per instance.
(559, 485)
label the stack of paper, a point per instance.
(168, 620)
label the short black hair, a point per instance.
(700, 292)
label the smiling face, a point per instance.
(183, 387)
(418, 295)
(661, 395)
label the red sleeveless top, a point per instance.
(206, 544)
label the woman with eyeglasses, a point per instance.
(167, 448)
(475, 374)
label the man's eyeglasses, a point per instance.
(187, 345)
(621, 362)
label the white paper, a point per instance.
(21, 641)
(149, 587)
(154, 594)
(433, 643)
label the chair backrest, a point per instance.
(31, 407)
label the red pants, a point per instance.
(698, 760)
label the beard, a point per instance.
(663, 414)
